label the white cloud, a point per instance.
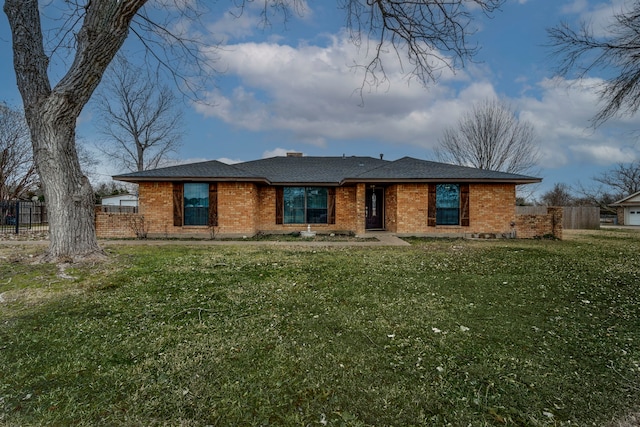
(309, 93)
(576, 7)
(234, 25)
(561, 116)
(603, 154)
(244, 19)
(313, 93)
(228, 160)
(598, 15)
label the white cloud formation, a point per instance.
(234, 25)
(577, 7)
(599, 15)
(228, 161)
(561, 117)
(242, 20)
(603, 154)
(310, 94)
(313, 93)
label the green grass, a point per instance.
(445, 332)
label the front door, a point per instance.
(374, 208)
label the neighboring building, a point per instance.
(120, 203)
(120, 200)
(331, 194)
(628, 210)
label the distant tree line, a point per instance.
(610, 186)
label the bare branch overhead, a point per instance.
(616, 56)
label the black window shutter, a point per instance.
(464, 205)
(213, 204)
(431, 208)
(279, 205)
(178, 201)
(331, 205)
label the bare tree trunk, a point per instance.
(67, 191)
(52, 113)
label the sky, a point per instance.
(292, 87)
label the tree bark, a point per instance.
(68, 193)
(52, 113)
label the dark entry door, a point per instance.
(374, 208)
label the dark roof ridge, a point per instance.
(389, 162)
(178, 171)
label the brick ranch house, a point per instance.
(329, 194)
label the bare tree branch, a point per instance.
(490, 136)
(138, 117)
(559, 195)
(623, 180)
(17, 170)
(433, 34)
(580, 52)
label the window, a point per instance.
(305, 205)
(447, 204)
(196, 204)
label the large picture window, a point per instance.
(447, 204)
(196, 204)
(305, 205)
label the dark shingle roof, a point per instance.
(325, 170)
(410, 169)
(321, 170)
(211, 170)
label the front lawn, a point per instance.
(445, 332)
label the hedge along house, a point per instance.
(328, 194)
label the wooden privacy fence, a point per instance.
(573, 218)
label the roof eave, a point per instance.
(440, 180)
(625, 204)
(305, 184)
(626, 199)
(189, 179)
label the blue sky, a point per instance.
(292, 89)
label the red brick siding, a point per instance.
(237, 204)
(492, 208)
(620, 214)
(246, 208)
(115, 225)
(530, 226)
(237, 208)
(391, 208)
(345, 208)
(411, 214)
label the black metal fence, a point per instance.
(17, 216)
